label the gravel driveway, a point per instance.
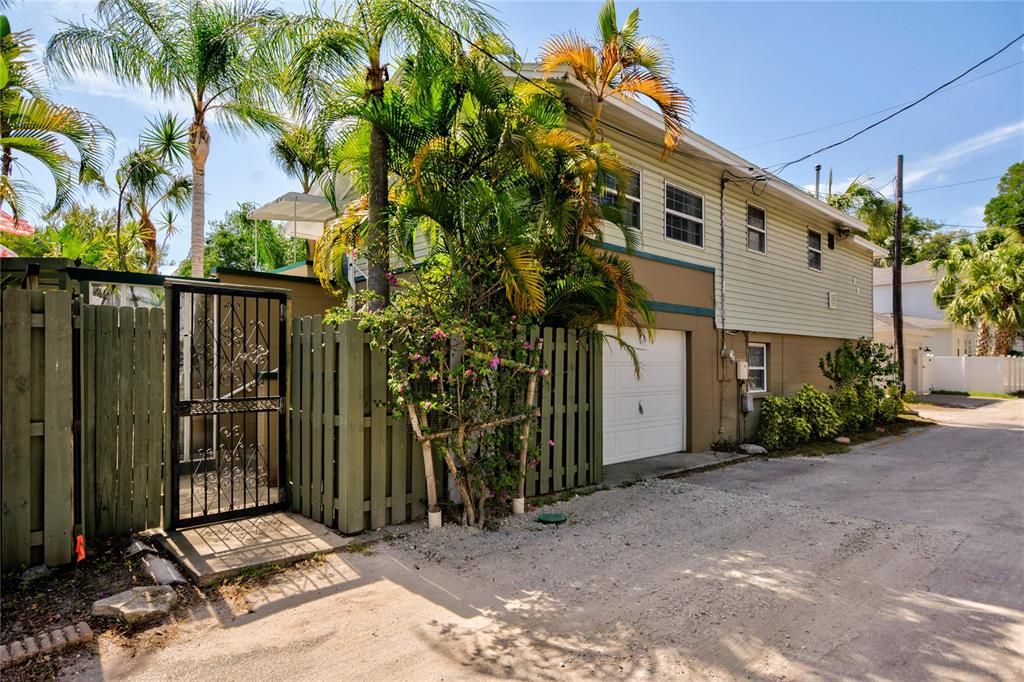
(903, 559)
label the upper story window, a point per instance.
(631, 210)
(757, 367)
(757, 229)
(684, 216)
(814, 250)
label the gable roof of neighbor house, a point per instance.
(648, 120)
(915, 272)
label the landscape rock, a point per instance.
(137, 605)
(34, 573)
(163, 571)
(139, 547)
(752, 449)
(843, 439)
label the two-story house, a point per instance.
(919, 309)
(749, 276)
(752, 279)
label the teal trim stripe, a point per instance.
(661, 307)
(290, 266)
(657, 258)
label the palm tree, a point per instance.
(205, 51)
(303, 151)
(148, 181)
(33, 126)
(621, 64)
(983, 285)
(349, 51)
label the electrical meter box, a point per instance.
(742, 370)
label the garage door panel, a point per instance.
(660, 427)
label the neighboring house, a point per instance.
(916, 351)
(919, 308)
(742, 274)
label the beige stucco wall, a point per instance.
(307, 296)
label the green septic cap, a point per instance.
(552, 517)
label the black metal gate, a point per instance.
(227, 387)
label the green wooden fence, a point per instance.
(123, 418)
(38, 455)
(354, 465)
(114, 357)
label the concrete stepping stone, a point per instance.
(137, 605)
(163, 571)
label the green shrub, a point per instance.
(816, 409)
(892, 405)
(780, 425)
(857, 407)
(859, 363)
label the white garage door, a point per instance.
(645, 417)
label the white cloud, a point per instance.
(974, 215)
(98, 85)
(951, 155)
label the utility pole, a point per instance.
(897, 274)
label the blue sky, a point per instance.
(756, 71)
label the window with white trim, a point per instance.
(757, 229)
(630, 210)
(814, 250)
(684, 216)
(757, 367)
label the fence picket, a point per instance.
(106, 419)
(316, 420)
(16, 431)
(354, 413)
(597, 412)
(126, 384)
(306, 389)
(154, 391)
(87, 391)
(295, 437)
(570, 409)
(547, 451)
(58, 449)
(330, 410)
(140, 421)
(378, 439)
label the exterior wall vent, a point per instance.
(833, 300)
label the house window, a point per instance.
(630, 212)
(684, 216)
(757, 367)
(757, 235)
(814, 250)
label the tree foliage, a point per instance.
(1006, 209)
(85, 234)
(213, 54)
(33, 126)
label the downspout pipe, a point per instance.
(720, 304)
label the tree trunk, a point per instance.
(984, 343)
(148, 231)
(199, 149)
(1005, 337)
(377, 251)
(377, 228)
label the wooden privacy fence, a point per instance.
(123, 418)
(38, 453)
(100, 371)
(354, 465)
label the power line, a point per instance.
(954, 184)
(879, 122)
(873, 113)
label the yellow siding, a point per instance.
(773, 292)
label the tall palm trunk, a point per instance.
(199, 150)
(984, 343)
(1005, 337)
(148, 233)
(377, 198)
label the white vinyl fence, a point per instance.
(981, 374)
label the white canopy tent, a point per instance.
(304, 213)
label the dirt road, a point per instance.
(903, 559)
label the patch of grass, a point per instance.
(979, 394)
(247, 577)
(358, 548)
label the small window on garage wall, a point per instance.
(814, 250)
(757, 367)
